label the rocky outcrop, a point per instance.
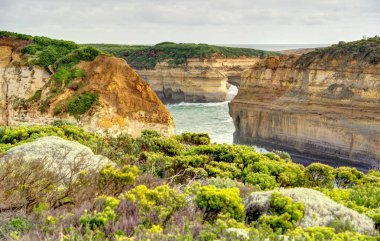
(58, 155)
(199, 80)
(325, 109)
(126, 104)
(319, 209)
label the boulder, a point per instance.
(58, 155)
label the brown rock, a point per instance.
(126, 103)
(200, 80)
(330, 109)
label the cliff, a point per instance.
(188, 72)
(321, 105)
(200, 80)
(103, 94)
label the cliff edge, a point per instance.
(321, 105)
(98, 92)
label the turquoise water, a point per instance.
(211, 118)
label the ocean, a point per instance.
(211, 118)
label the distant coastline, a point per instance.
(275, 47)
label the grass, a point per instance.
(367, 50)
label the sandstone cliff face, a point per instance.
(126, 103)
(329, 109)
(201, 80)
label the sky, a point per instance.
(196, 21)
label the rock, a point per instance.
(319, 209)
(126, 103)
(325, 111)
(58, 155)
(200, 80)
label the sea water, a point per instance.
(211, 118)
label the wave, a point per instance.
(210, 104)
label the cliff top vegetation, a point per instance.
(146, 57)
(45, 52)
(367, 50)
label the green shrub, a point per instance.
(320, 175)
(287, 174)
(19, 224)
(113, 181)
(104, 217)
(346, 177)
(161, 203)
(65, 75)
(194, 138)
(214, 201)
(185, 168)
(262, 180)
(7, 34)
(78, 105)
(12, 136)
(284, 213)
(37, 96)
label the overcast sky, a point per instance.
(199, 21)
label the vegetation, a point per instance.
(146, 57)
(78, 105)
(178, 188)
(367, 50)
(60, 57)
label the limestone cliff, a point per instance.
(199, 80)
(125, 102)
(320, 105)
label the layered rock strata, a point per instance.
(326, 109)
(200, 80)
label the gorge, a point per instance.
(193, 73)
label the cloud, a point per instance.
(212, 21)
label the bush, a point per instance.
(78, 105)
(194, 138)
(112, 181)
(65, 75)
(346, 177)
(105, 216)
(320, 175)
(214, 201)
(284, 213)
(12, 136)
(262, 180)
(155, 206)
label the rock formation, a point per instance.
(318, 106)
(125, 102)
(58, 155)
(200, 80)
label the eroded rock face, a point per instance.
(126, 103)
(329, 109)
(205, 80)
